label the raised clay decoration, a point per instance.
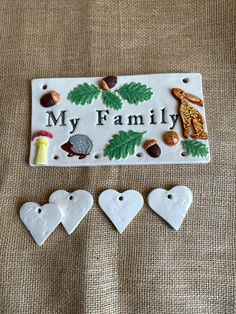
(40, 220)
(171, 205)
(41, 139)
(119, 120)
(189, 115)
(121, 208)
(74, 207)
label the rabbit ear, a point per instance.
(194, 99)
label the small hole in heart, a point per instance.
(169, 196)
(39, 210)
(71, 197)
(121, 198)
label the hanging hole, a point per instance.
(97, 156)
(56, 157)
(120, 198)
(138, 155)
(184, 154)
(185, 80)
(45, 86)
(39, 210)
(71, 197)
(169, 196)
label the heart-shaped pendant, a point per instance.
(40, 220)
(121, 208)
(171, 205)
(74, 206)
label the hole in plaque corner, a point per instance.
(71, 197)
(56, 157)
(139, 155)
(185, 80)
(39, 210)
(169, 196)
(120, 198)
(184, 154)
(44, 87)
(97, 156)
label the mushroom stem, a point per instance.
(41, 157)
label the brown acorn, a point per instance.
(50, 99)
(108, 82)
(152, 148)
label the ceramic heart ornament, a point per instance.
(121, 208)
(41, 221)
(171, 205)
(74, 206)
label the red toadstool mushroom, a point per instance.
(42, 146)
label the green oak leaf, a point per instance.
(112, 100)
(84, 94)
(135, 93)
(195, 148)
(123, 144)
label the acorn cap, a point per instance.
(104, 85)
(149, 143)
(55, 96)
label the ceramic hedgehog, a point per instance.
(78, 145)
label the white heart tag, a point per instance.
(121, 208)
(40, 220)
(74, 206)
(171, 205)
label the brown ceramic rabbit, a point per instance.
(189, 114)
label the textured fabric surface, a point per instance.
(150, 268)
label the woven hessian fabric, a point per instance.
(150, 268)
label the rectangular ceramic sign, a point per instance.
(138, 119)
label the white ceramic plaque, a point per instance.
(76, 122)
(74, 207)
(121, 208)
(171, 205)
(41, 221)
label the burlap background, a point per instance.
(150, 268)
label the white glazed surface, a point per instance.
(100, 135)
(121, 212)
(42, 224)
(74, 206)
(173, 210)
